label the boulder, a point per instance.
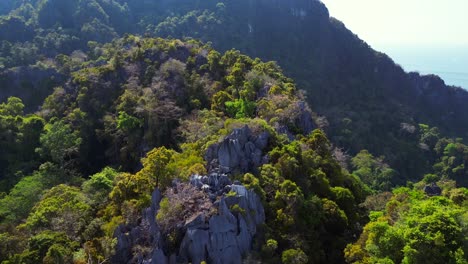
(261, 142)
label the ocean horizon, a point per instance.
(451, 64)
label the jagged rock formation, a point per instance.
(146, 232)
(224, 237)
(241, 151)
(227, 236)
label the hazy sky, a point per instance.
(428, 36)
(390, 23)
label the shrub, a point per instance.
(294, 256)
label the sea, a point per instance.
(451, 64)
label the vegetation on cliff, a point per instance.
(93, 119)
(166, 101)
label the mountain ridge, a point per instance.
(365, 97)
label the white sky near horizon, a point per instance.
(405, 23)
(428, 36)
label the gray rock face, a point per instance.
(227, 236)
(241, 151)
(220, 238)
(304, 118)
(147, 232)
(215, 184)
(300, 118)
(158, 257)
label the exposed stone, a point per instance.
(432, 190)
(158, 257)
(304, 118)
(241, 151)
(223, 237)
(147, 232)
(227, 236)
(262, 140)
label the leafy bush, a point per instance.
(294, 256)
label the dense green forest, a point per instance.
(102, 102)
(181, 102)
(365, 99)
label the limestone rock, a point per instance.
(217, 236)
(304, 118)
(241, 151)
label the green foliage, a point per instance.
(127, 122)
(186, 163)
(48, 247)
(430, 178)
(345, 199)
(453, 160)
(19, 136)
(240, 108)
(237, 209)
(414, 229)
(60, 142)
(219, 101)
(303, 177)
(373, 171)
(13, 107)
(155, 167)
(99, 185)
(270, 246)
(253, 183)
(39, 30)
(62, 208)
(100, 182)
(168, 212)
(294, 256)
(21, 199)
(138, 96)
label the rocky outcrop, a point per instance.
(147, 232)
(241, 151)
(223, 234)
(225, 237)
(304, 119)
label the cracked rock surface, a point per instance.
(223, 237)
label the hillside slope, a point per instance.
(232, 166)
(368, 100)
